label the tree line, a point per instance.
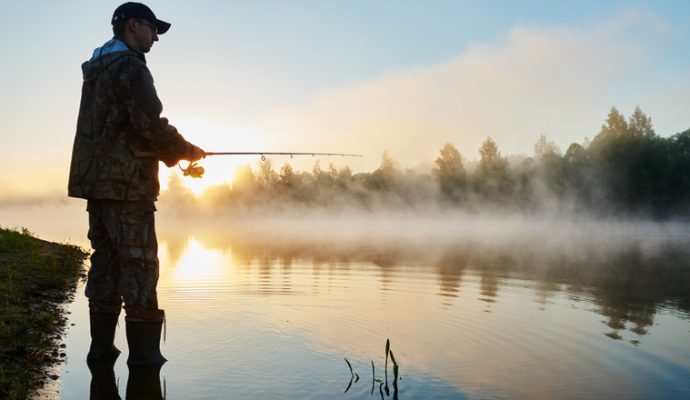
(626, 169)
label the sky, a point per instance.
(349, 76)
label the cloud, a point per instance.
(556, 81)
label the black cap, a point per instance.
(138, 10)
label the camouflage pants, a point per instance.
(124, 264)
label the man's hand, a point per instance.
(195, 154)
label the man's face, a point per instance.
(145, 33)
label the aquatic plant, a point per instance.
(353, 376)
(383, 383)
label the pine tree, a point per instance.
(640, 124)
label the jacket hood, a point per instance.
(105, 55)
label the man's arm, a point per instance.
(145, 108)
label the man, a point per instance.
(119, 116)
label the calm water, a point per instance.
(490, 309)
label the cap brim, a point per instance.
(161, 26)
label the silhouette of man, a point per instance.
(119, 115)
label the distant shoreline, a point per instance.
(37, 279)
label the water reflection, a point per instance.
(143, 383)
(103, 381)
(192, 261)
(625, 285)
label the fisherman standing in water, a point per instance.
(119, 115)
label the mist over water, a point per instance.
(420, 234)
(533, 246)
(426, 232)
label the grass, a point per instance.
(36, 279)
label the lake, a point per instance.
(474, 307)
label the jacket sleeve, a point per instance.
(144, 109)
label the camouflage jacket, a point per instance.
(119, 115)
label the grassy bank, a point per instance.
(36, 279)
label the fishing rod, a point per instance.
(196, 171)
(269, 153)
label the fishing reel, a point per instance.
(193, 169)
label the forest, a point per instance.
(627, 169)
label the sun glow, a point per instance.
(214, 136)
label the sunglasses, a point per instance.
(150, 25)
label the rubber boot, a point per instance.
(102, 338)
(143, 339)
